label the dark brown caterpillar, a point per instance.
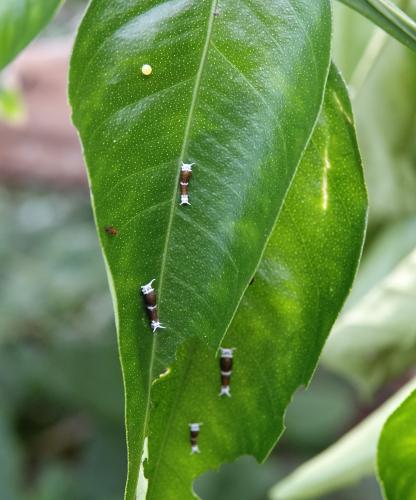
(186, 174)
(226, 367)
(150, 300)
(194, 432)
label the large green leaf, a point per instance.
(389, 17)
(396, 456)
(345, 462)
(20, 22)
(371, 348)
(236, 88)
(282, 322)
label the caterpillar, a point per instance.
(226, 366)
(186, 173)
(150, 300)
(194, 432)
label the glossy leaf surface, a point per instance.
(389, 17)
(20, 22)
(397, 453)
(236, 88)
(347, 461)
(283, 319)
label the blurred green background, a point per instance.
(61, 411)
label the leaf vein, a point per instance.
(142, 212)
(255, 90)
(142, 101)
(201, 229)
(129, 177)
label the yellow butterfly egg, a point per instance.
(147, 70)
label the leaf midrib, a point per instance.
(185, 143)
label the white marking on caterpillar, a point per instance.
(187, 167)
(155, 324)
(146, 289)
(225, 391)
(227, 352)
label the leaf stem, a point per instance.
(389, 17)
(399, 18)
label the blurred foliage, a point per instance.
(21, 23)
(389, 17)
(62, 406)
(397, 453)
(348, 460)
(382, 77)
(12, 108)
(67, 19)
(374, 340)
